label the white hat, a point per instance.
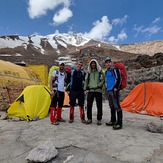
(62, 63)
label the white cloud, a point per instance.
(62, 16)
(100, 30)
(149, 31)
(39, 8)
(120, 21)
(121, 36)
(156, 20)
(56, 32)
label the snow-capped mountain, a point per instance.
(52, 40)
(50, 47)
(40, 42)
(53, 48)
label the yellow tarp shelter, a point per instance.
(41, 71)
(13, 79)
(33, 102)
(12, 74)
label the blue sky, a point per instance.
(114, 21)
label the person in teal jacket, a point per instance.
(94, 82)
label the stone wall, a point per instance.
(154, 74)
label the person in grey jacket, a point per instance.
(94, 81)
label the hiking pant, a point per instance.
(90, 99)
(77, 95)
(114, 103)
(58, 99)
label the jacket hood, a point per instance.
(97, 65)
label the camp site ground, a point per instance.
(84, 143)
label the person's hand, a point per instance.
(52, 93)
(85, 92)
(115, 89)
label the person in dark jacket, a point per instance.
(94, 81)
(113, 82)
(75, 82)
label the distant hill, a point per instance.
(147, 48)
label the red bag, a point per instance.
(123, 72)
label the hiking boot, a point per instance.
(83, 121)
(99, 122)
(117, 127)
(89, 121)
(71, 121)
(55, 123)
(110, 123)
(61, 120)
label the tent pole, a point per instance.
(8, 93)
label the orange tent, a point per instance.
(145, 98)
(66, 100)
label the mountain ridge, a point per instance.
(146, 48)
(36, 49)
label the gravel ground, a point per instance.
(80, 143)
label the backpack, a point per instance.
(123, 72)
(50, 73)
(56, 79)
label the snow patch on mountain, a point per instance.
(73, 39)
(36, 41)
(50, 39)
(53, 39)
(7, 42)
(67, 60)
(117, 46)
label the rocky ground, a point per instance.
(80, 143)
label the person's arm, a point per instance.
(51, 85)
(52, 79)
(68, 82)
(86, 84)
(118, 78)
(102, 80)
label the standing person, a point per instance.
(57, 83)
(75, 82)
(94, 81)
(113, 82)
